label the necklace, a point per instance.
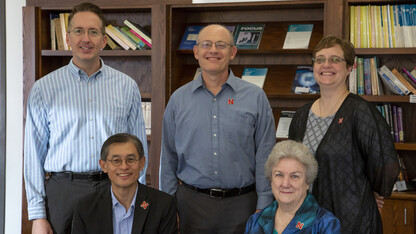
(333, 108)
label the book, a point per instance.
(374, 77)
(63, 29)
(134, 39)
(116, 39)
(395, 123)
(248, 36)
(140, 32)
(352, 79)
(367, 77)
(53, 16)
(148, 114)
(360, 76)
(112, 44)
(304, 81)
(58, 32)
(298, 36)
(395, 80)
(404, 81)
(255, 76)
(284, 124)
(412, 74)
(388, 83)
(389, 118)
(121, 36)
(400, 123)
(189, 37)
(406, 74)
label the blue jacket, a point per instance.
(310, 218)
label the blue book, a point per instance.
(367, 77)
(304, 81)
(189, 37)
(388, 83)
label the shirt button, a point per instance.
(215, 116)
(215, 153)
(215, 99)
(215, 135)
(215, 172)
(92, 137)
(92, 155)
(90, 119)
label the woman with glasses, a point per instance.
(350, 140)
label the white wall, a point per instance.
(14, 113)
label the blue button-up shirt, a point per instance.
(219, 141)
(122, 219)
(69, 116)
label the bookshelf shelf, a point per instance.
(406, 146)
(386, 98)
(385, 51)
(136, 53)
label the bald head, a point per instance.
(216, 29)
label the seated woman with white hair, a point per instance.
(291, 169)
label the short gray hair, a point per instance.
(295, 150)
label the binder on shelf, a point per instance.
(248, 36)
(298, 36)
(284, 124)
(256, 76)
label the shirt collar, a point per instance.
(231, 81)
(115, 201)
(80, 74)
(305, 215)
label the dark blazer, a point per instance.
(93, 214)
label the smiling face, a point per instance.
(124, 176)
(288, 182)
(85, 48)
(214, 61)
(331, 75)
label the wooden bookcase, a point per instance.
(160, 71)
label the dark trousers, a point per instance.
(200, 213)
(62, 195)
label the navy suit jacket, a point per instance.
(93, 213)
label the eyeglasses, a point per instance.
(91, 32)
(331, 60)
(220, 45)
(116, 161)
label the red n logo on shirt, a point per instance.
(299, 225)
(231, 101)
(144, 205)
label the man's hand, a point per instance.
(379, 200)
(41, 226)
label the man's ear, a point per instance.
(103, 165)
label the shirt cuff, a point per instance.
(263, 201)
(36, 212)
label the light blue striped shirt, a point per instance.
(122, 219)
(69, 116)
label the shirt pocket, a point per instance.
(240, 129)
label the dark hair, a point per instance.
(346, 46)
(121, 138)
(87, 6)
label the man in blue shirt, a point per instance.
(218, 131)
(128, 206)
(70, 113)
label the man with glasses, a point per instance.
(70, 112)
(218, 131)
(128, 206)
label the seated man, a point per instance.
(127, 206)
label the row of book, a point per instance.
(147, 116)
(392, 113)
(248, 36)
(383, 26)
(394, 118)
(131, 36)
(367, 79)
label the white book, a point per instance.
(352, 80)
(255, 76)
(148, 113)
(395, 80)
(298, 36)
(284, 124)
